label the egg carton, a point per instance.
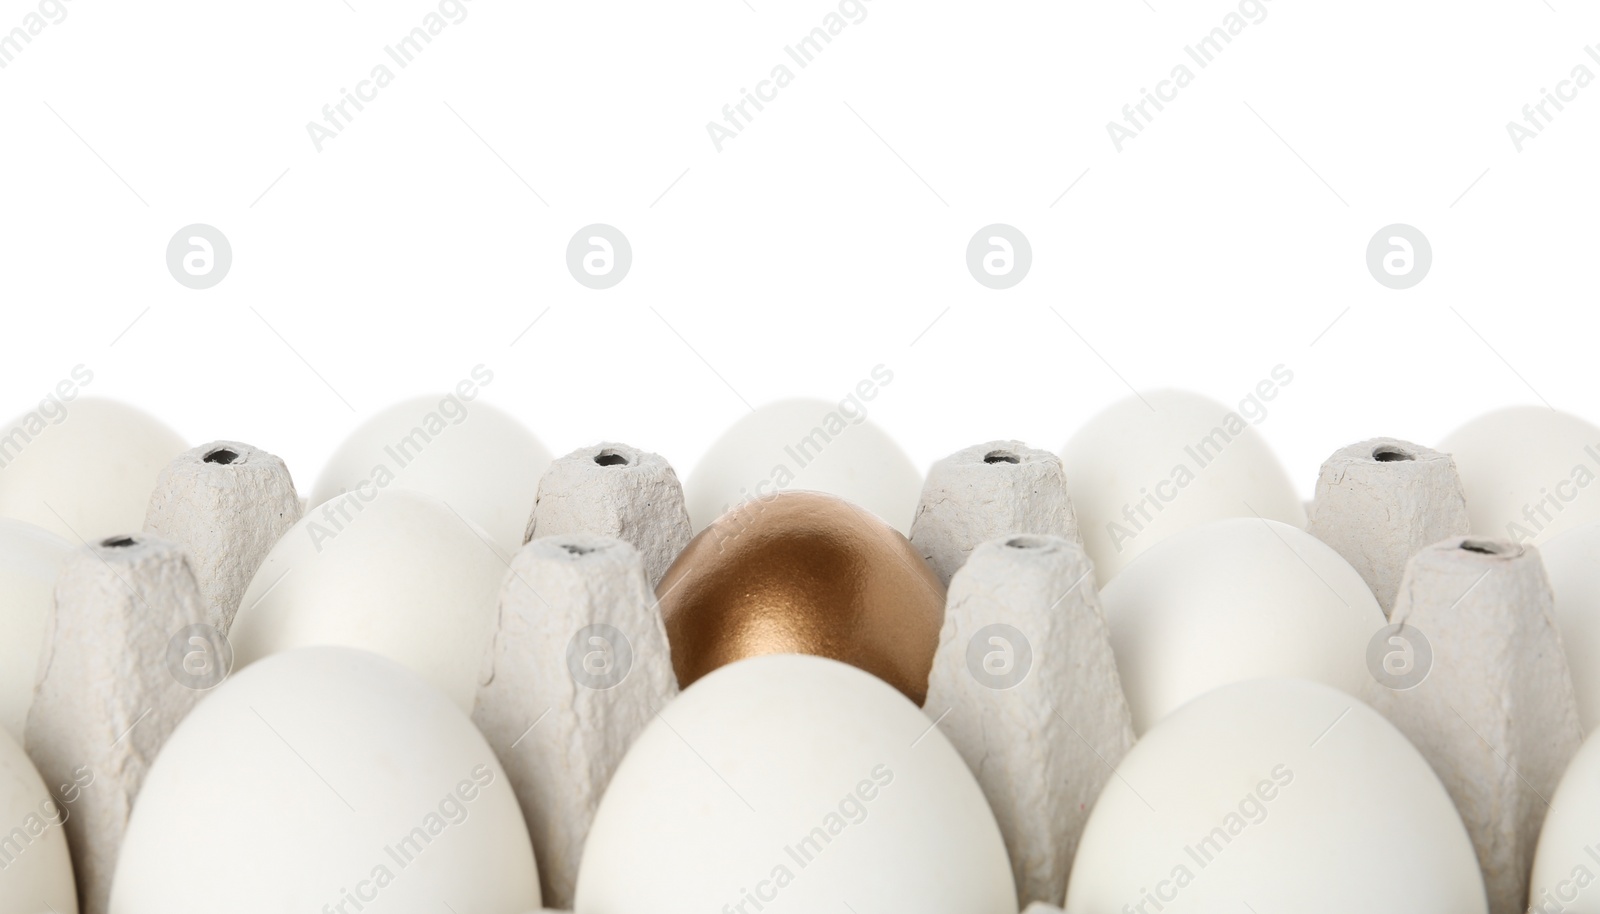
(1047, 676)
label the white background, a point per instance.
(822, 241)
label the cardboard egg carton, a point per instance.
(1023, 625)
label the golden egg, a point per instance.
(803, 573)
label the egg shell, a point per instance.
(719, 795)
(33, 848)
(397, 573)
(805, 444)
(1529, 472)
(1566, 865)
(1151, 466)
(805, 573)
(1275, 795)
(88, 473)
(1231, 600)
(478, 459)
(1572, 561)
(30, 559)
(297, 779)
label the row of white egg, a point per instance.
(859, 463)
(325, 777)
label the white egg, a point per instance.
(397, 573)
(477, 459)
(1231, 600)
(35, 866)
(30, 559)
(1566, 867)
(805, 444)
(87, 472)
(1275, 795)
(790, 783)
(1572, 562)
(1528, 472)
(325, 779)
(1164, 461)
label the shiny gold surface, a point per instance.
(803, 573)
